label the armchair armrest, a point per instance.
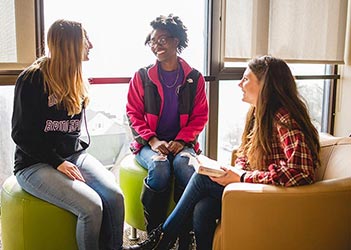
(256, 216)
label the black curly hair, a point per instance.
(174, 26)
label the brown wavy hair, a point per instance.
(62, 68)
(277, 89)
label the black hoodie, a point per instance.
(42, 132)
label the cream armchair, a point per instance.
(316, 216)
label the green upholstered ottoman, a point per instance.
(131, 177)
(29, 223)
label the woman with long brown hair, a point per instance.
(280, 146)
(50, 158)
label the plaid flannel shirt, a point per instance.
(290, 163)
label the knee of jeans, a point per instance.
(181, 159)
(182, 170)
(114, 198)
(92, 210)
(159, 158)
(159, 176)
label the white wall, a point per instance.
(343, 103)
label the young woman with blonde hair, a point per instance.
(50, 159)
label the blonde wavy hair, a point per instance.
(62, 68)
(277, 89)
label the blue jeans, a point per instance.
(200, 203)
(98, 202)
(160, 168)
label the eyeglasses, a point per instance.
(161, 41)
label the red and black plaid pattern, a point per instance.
(291, 162)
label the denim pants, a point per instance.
(98, 202)
(200, 203)
(160, 168)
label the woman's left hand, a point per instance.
(175, 147)
(229, 177)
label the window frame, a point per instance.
(10, 71)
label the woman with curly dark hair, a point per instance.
(167, 109)
(280, 146)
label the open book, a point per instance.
(204, 165)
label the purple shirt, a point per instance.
(168, 126)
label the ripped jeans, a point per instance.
(160, 169)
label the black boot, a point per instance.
(151, 242)
(156, 241)
(187, 241)
(155, 206)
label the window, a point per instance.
(296, 30)
(6, 144)
(8, 37)
(17, 36)
(247, 34)
(118, 31)
(118, 37)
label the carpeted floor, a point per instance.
(127, 231)
(142, 236)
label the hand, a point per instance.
(158, 146)
(175, 147)
(229, 177)
(70, 170)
